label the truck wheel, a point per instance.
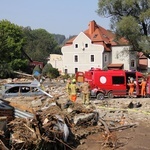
(110, 94)
(100, 96)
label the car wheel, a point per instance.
(100, 96)
(110, 94)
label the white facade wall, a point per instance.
(83, 53)
(120, 55)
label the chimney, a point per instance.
(92, 27)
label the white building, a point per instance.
(97, 47)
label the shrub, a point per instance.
(66, 76)
(50, 72)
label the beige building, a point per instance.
(56, 61)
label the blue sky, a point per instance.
(66, 17)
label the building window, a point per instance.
(76, 58)
(76, 45)
(66, 71)
(92, 58)
(86, 45)
(76, 70)
(105, 58)
(132, 63)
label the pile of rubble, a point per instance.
(53, 127)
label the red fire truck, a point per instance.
(110, 83)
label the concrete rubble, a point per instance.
(49, 126)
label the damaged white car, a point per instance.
(21, 89)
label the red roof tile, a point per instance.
(99, 35)
(141, 55)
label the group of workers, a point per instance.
(72, 88)
(84, 88)
(132, 86)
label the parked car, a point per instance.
(21, 89)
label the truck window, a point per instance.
(118, 80)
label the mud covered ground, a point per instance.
(135, 138)
(129, 139)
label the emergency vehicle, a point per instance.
(110, 83)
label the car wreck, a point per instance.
(22, 89)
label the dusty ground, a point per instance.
(129, 139)
(134, 138)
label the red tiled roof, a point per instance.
(141, 55)
(69, 42)
(99, 35)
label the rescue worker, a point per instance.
(85, 90)
(73, 90)
(131, 85)
(143, 88)
(68, 90)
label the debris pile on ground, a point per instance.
(53, 126)
(56, 127)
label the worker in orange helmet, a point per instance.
(143, 88)
(131, 85)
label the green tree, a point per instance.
(39, 44)
(59, 38)
(50, 72)
(11, 44)
(46, 69)
(130, 19)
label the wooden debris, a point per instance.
(2, 146)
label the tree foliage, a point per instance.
(11, 44)
(45, 69)
(39, 44)
(59, 38)
(50, 72)
(129, 18)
